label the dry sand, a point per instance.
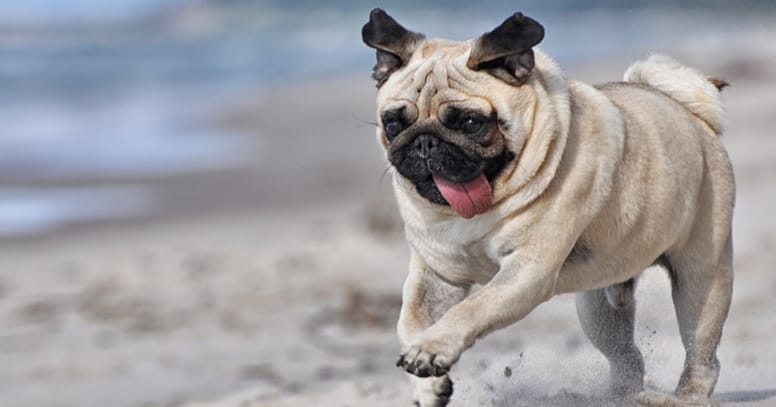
(294, 303)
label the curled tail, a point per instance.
(688, 86)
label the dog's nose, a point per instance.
(424, 144)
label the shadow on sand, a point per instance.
(744, 396)
(567, 398)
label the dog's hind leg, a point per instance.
(701, 272)
(607, 318)
(702, 290)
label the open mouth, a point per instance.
(471, 196)
(448, 175)
(467, 198)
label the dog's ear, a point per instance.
(394, 43)
(506, 51)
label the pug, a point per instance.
(516, 184)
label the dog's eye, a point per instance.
(392, 128)
(471, 125)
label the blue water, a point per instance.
(118, 89)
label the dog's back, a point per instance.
(674, 164)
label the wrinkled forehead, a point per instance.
(435, 75)
(440, 49)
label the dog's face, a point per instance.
(452, 116)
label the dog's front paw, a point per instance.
(431, 391)
(423, 364)
(430, 357)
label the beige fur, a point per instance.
(608, 180)
(688, 86)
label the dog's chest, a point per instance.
(459, 255)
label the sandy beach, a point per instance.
(277, 284)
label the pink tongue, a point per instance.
(468, 199)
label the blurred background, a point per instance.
(192, 202)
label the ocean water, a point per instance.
(117, 90)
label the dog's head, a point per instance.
(453, 115)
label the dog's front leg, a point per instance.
(518, 287)
(425, 298)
